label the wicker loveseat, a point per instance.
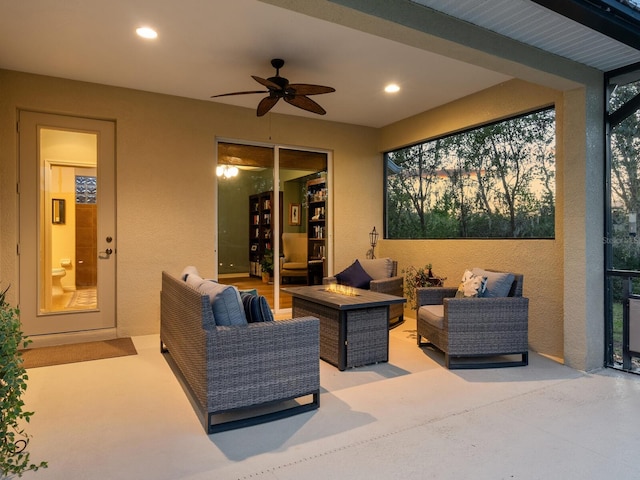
(233, 369)
(467, 329)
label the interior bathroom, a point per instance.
(61, 259)
(66, 158)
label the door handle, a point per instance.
(105, 254)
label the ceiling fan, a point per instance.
(279, 87)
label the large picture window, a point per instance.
(495, 181)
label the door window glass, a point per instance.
(68, 233)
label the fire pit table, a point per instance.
(354, 323)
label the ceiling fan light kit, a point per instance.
(278, 87)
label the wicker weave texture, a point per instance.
(477, 326)
(433, 295)
(367, 336)
(182, 310)
(262, 362)
(235, 367)
(329, 327)
(391, 286)
(367, 333)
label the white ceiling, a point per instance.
(535, 25)
(208, 47)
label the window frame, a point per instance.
(550, 107)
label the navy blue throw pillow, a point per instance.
(265, 310)
(256, 308)
(354, 276)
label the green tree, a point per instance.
(410, 176)
(494, 181)
(625, 179)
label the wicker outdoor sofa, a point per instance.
(230, 371)
(470, 331)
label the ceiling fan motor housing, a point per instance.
(280, 81)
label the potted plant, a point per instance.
(418, 278)
(14, 459)
(267, 265)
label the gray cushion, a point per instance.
(377, 268)
(498, 283)
(432, 314)
(225, 301)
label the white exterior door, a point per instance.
(67, 243)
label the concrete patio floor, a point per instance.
(410, 418)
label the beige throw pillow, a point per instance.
(472, 285)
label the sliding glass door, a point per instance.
(263, 232)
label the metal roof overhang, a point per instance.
(615, 19)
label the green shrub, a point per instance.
(14, 459)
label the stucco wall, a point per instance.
(165, 178)
(166, 195)
(541, 261)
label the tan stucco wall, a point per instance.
(166, 195)
(563, 277)
(541, 261)
(165, 178)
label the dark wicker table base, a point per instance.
(349, 338)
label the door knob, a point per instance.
(108, 251)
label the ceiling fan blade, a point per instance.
(266, 104)
(307, 89)
(239, 93)
(305, 103)
(279, 87)
(267, 83)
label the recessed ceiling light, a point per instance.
(392, 88)
(146, 32)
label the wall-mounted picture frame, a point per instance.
(58, 214)
(294, 214)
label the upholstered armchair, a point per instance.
(294, 263)
(476, 332)
(381, 275)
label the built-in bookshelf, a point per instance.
(316, 229)
(261, 210)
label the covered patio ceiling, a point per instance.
(207, 48)
(603, 34)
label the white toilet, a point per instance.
(56, 286)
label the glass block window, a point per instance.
(86, 189)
